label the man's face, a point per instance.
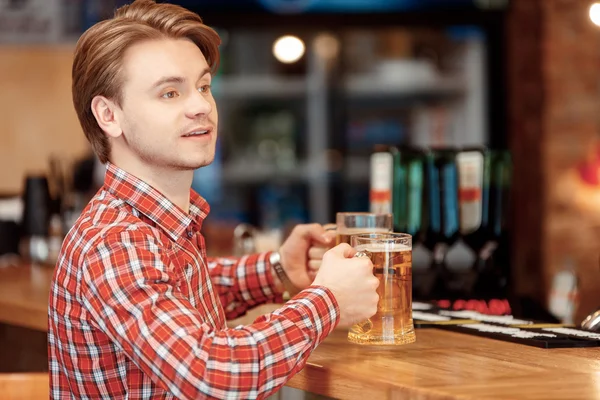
(168, 115)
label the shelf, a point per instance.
(357, 169)
(259, 86)
(240, 172)
(369, 86)
(356, 88)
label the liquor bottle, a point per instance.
(473, 198)
(381, 179)
(493, 256)
(441, 200)
(441, 215)
(500, 203)
(407, 194)
(473, 195)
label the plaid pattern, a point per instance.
(138, 311)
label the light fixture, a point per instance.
(595, 13)
(288, 49)
(327, 46)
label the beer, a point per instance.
(344, 234)
(392, 324)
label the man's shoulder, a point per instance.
(104, 219)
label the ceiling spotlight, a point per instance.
(595, 13)
(288, 49)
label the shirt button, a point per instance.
(190, 234)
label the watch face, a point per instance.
(275, 259)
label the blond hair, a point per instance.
(99, 53)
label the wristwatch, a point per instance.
(289, 289)
(275, 260)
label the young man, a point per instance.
(137, 310)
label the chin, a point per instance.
(205, 162)
(193, 165)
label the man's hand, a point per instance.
(294, 253)
(352, 283)
(317, 251)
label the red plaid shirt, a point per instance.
(138, 311)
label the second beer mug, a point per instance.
(391, 255)
(352, 223)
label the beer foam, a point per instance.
(383, 247)
(355, 231)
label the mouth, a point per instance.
(198, 132)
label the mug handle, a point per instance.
(330, 227)
(360, 254)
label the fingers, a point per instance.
(316, 253)
(313, 267)
(343, 250)
(314, 232)
(330, 236)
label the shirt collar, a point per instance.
(153, 204)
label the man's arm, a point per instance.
(132, 296)
(245, 282)
(251, 280)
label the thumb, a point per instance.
(343, 250)
(330, 236)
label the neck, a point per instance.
(173, 184)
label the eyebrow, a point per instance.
(176, 79)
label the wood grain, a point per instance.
(24, 386)
(447, 365)
(24, 292)
(440, 365)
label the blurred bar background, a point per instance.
(307, 92)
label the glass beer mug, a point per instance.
(391, 255)
(352, 223)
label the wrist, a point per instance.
(280, 277)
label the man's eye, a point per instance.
(170, 95)
(204, 89)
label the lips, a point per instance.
(197, 132)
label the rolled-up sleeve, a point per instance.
(132, 295)
(243, 283)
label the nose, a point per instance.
(199, 104)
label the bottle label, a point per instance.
(380, 196)
(470, 184)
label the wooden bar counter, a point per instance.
(24, 292)
(448, 365)
(440, 365)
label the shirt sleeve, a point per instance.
(132, 296)
(243, 283)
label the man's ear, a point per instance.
(105, 112)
